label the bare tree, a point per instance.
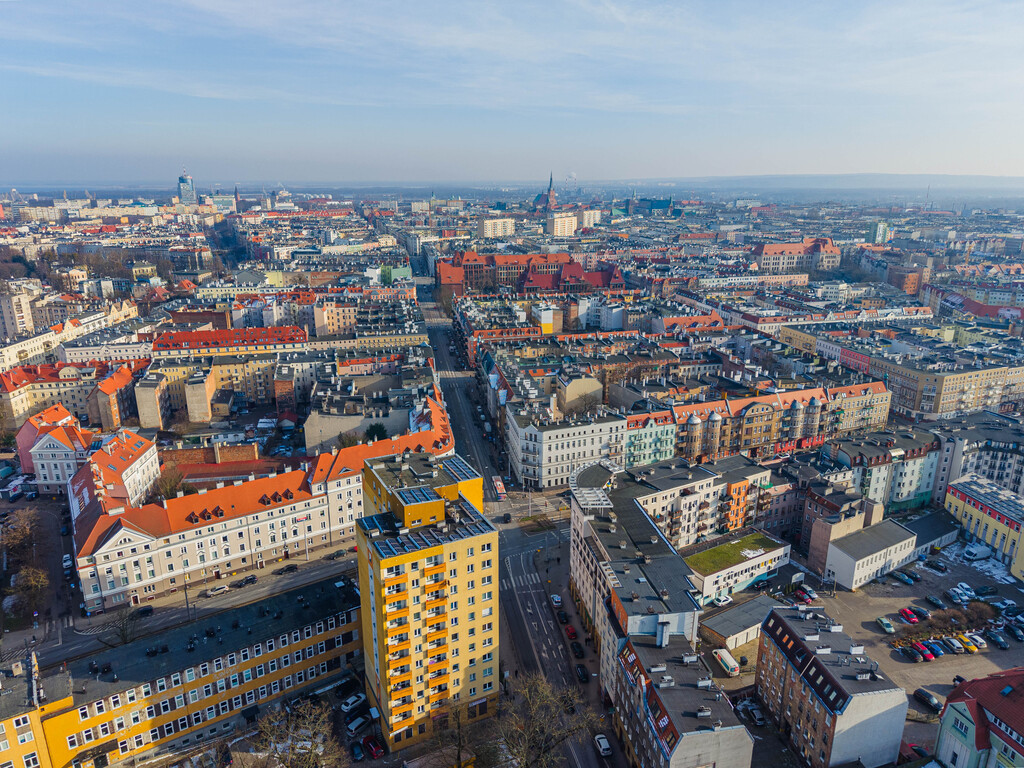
(461, 741)
(539, 720)
(124, 624)
(303, 738)
(31, 587)
(170, 482)
(20, 533)
(587, 402)
(348, 439)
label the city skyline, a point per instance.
(322, 93)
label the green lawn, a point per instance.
(726, 555)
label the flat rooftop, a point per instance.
(870, 541)
(717, 555)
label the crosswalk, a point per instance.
(521, 580)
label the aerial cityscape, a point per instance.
(600, 385)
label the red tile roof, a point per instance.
(233, 337)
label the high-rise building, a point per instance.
(428, 564)
(878, 233)
(560, 224)
(186, 190)
(495, 227)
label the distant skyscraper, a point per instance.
(186, 190)
(878, 233)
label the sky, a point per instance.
(336, 91)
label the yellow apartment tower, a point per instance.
(428, 573)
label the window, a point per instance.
(73, 741)
(31, 760)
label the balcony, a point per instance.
(436, 698)
(399, 709)
(439, 647)
(395, 581)
(437, 634)
(437, 603)
(434, 570)
(398, 646)
(401, 681)
(394, 597)
(437, 666)
(439, 679)
(393, 628)
(396, 612)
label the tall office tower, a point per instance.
(428, 573)
(186, 190)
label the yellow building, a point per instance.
(990, 515)
(428, 572)
(187, 686)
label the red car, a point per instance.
(923, 650)
(570, 631)
(803, 597)
(908, 616)
(370, 745)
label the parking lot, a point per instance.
(858, 612)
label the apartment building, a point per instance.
(987, 444)
(824, 694)
(428, 575)
(58, 453)
(28, 389)
(981, 722)
(123, 471)
(183, 687)
(544, 452)
(234, 341)
(897, 467)
(810, 254)
(133, 553)
(767, 425)
(561, 224)
(36, 426)
(16, 315)
(991, 515)
(635, 596)
(489, 227)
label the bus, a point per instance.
(723, 657)
(499, 488)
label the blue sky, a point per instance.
(328, 90)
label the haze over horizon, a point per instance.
(468, 92)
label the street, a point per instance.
(532, 640)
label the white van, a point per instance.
(356, 726)
(728, 663)
(214, 591)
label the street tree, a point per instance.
(303, 738)
(31, 587)
(461, 741)
(124, 624)
(539, 720)
(19, 535)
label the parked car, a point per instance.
(958, 679)
(935, 647)
(937, 565)
(985, 591)
(809, 592)
(886, 625)
(925, 652)
(997, 639)
(967, 643)
(956, 596)
(577, 649)
(373, 747)
(65, 531)
(563, 617)
(901, 576)
(570, 631)
(66, 561)
(1004, 603)
(218, 590)
(582, 674)
(356, 750)
(1016, 632)
(953, 644)
(935, 602)
(602, 745)
(802, 597)
(290, 568)
(144, 610)
(928, 699)
(978, 640)
(965, 590)
(722, 600)
(352, 702)
(757, 716)
(556, 600)
(908, 616)
(250, 579)
(911, 654)
(922, 613)
(914, 575)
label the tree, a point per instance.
(303, 738)
(376, 431)
(124, 624)
(6, 439)
(20, 533)
(588, 402)
(31, 587)
(347, 439)
(539, 720)
(170, 482)
(462, 742)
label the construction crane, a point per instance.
(967, 252)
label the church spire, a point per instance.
(551, 182)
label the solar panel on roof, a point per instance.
(457, 467)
